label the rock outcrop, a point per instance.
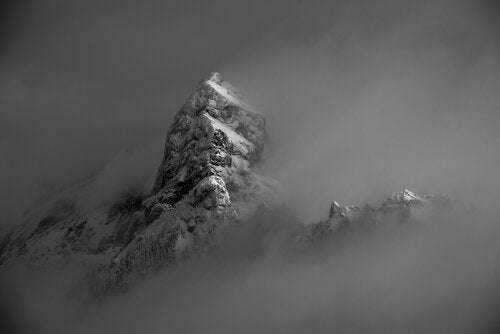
(401, 207)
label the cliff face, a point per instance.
(204, 184)
(205, 181)
(217, 138)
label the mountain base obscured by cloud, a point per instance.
(439, 277)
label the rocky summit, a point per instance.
(205, 183)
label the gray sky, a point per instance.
(368, 96)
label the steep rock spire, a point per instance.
(205, 181)
(214, 134)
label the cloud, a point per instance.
(393, 95)
(437, 277)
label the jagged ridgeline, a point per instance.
(205, 183)
(403, 207)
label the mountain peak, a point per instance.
(214, 131)
(205, 183)
(214, 76)
(402, 206)
(404, 196)
(214, 91)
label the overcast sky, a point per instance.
(367, 96)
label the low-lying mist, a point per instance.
(435, 277)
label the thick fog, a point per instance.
(361, 98)
(440, 277)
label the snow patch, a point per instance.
(240, 142)
(225, 93)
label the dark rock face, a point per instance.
(213, 142)
(211, 130)
(204, 184)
